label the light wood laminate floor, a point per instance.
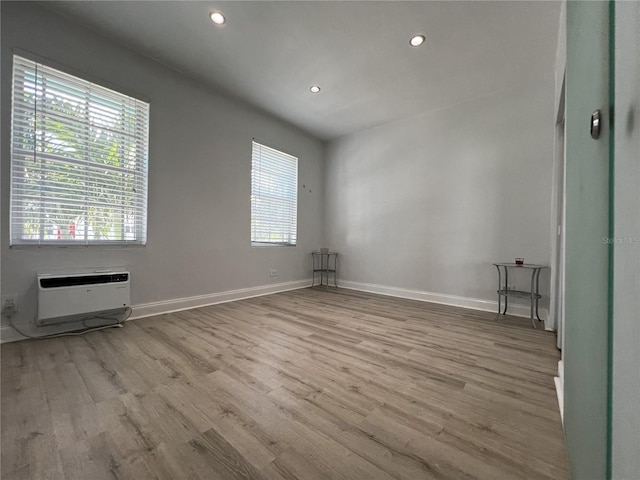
(306, 384)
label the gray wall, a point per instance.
(199, 180)
(428, 203)
(626, 279)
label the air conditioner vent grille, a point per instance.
(57, 282)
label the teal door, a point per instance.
(587, 280)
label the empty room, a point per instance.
(320, 240)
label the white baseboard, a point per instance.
(559, 381)
(453, 300)
(178, 304)
(8, 334)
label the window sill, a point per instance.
(267, 244)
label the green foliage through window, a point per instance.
(79, 160)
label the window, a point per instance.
(274, 197)
(79, 158)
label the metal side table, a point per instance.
(324, 264)
(533, 294)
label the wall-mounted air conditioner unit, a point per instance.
(65, 298)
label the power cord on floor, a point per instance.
(118, 324)
(128, 311)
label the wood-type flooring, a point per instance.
(306, 384)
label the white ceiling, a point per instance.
(270, 52)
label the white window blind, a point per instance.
(274, 196)
(79, 160)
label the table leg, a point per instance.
(327, 270)
(532, 296)
(506, 286)
(325, 266)
(335, 270)
(537, 288)
(498, 292)
(313, 270)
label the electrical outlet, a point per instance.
(9, 304)
(273, 272)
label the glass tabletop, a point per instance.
(516, 265)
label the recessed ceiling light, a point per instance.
(217, 17)
(315, 89)
(417, 40)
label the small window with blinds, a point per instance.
(274, 197)
(79, 160)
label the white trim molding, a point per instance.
(8, 334)
(559, 381)
(517, 310)
(186, 303)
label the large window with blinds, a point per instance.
(274, 197)
(79, 160)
